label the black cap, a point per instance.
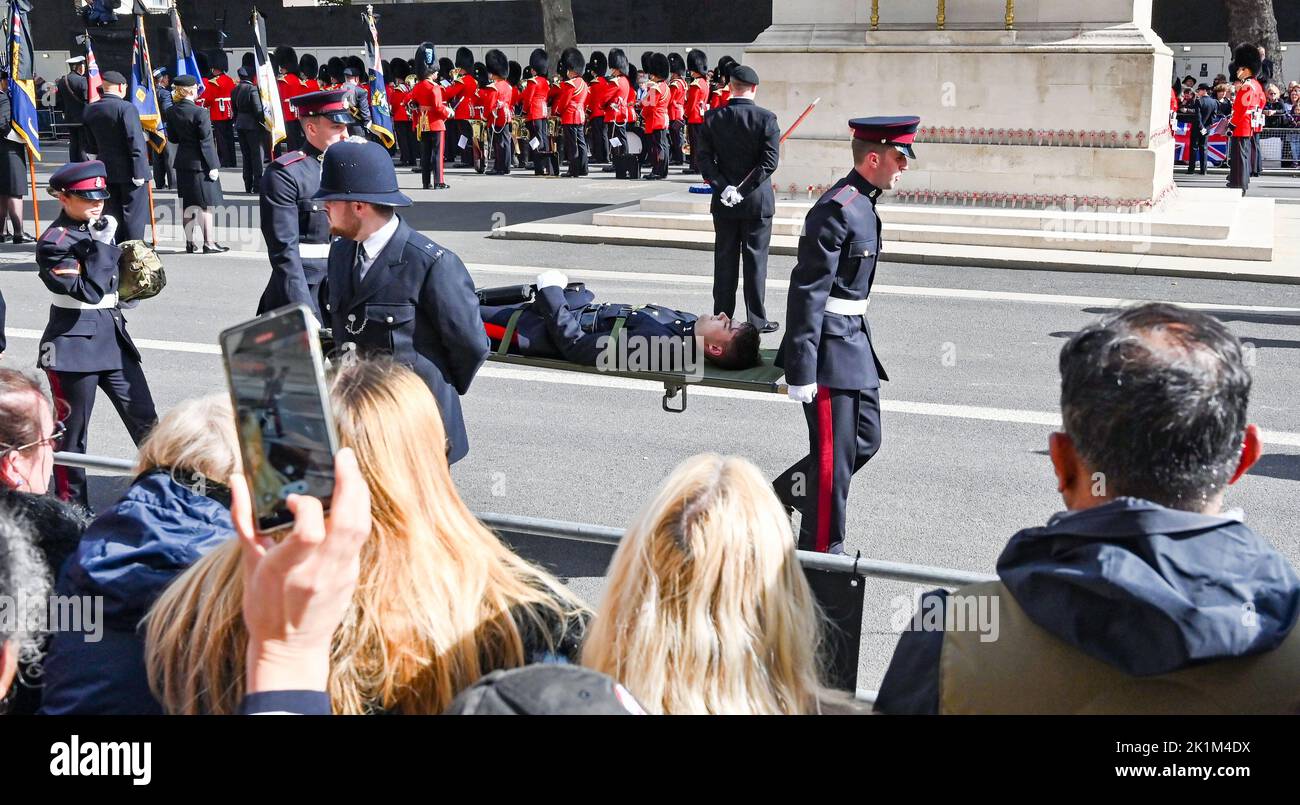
(545, 690)
(359, 172)
(1205, 87)
(87, 179)
(244, 73)
(350, 72)
(744, 74)
(185, 80)
(113, 77)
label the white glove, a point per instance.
(138, 182)
(552, 278)
(731, 196)
(803, 394)
(106, 234)
(212, 175)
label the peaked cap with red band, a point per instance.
(896, 131)
(86, 179)
(338, 105)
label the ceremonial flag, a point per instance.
(93, 79)
(143, 95)
(186, 62)
(381, 115)
(1216, 143)
(22, 85)
(267, 88)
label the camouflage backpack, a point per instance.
(140, 272)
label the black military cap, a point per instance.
(545, 690)
(338, 105)
(114, 77)
(350, 72)
(86, 179)
(244, 73)
(186, 80)
(744, 74)
(359, 172)
(896, 131)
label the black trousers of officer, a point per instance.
(1256, 156)
(693, 136)
(738, 241)
(575, 149)
(126, 389)
(223, 131)
(658, 160)
(250, 152)
(503, 149)
(843, 434)
(465, 153)
(1198, 151)
(408, 151)
(599, 141)
(676, 129)
(130, 206)
(1239, 149)
(164, 175)
(545, 159)
(431, 157)
(76, 144)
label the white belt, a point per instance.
(313, 251)
(847, 307)
(63, 300)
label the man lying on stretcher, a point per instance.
(564, 321)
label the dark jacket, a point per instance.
(190, 127)
(248, 106)
(417, 303)
(128, 556)
(740, 144)
(292, 219)
(1207, 112)
(1143, 589)
(116, 138)
(71, 97)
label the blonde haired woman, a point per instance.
(440, 602)
(707, 609)
(175, 511)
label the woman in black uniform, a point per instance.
(13, 171)
(85, 345)
(197, 182)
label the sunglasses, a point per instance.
(52, 440)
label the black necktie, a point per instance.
(361, 259)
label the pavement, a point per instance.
(971, 352)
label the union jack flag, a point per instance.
(1216, 145)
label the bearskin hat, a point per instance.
(480, 73)
(496, 63)
(645, 60)
(248, 62)
(1247, 56)
(539, 62)
(618, 60)
(598, 65)
(572, 59)
(426, 55)
(464, 58)
(724, 67)
(400, 69)
(445, 66)
(335, 66)
(286, 58)
(358, 64)
(658, 66)
(308, 66)
(516, 72)
(676, 63)
(696, 61)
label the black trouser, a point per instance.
(164, 175)
(408, 152)
(464, 154)
(545, 160)
(503, 148)
(575, 149)
(1239, 163)
(431, 157)
(223, 131)
(675, 132)
(126, 389)
(616, 131)
(250, 151)
(599, 141)
(130, 206)
(1256, 156)
(843, 434)
(1197, 150)
(736, 240)
(658, 161)
(693, 134)
(76, 144)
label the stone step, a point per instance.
(1118, 241)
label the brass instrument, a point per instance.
(519, 131)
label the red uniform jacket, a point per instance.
(677, 99)
(571, 104)
(1249, 98)
(720, 98)
(654, 107)
(499, 103)
(427, 95)
(631, 101)
(311, 85)
(464, 89)
(290, 86)
(536, 92)
(697, 101)
(216, 97)
(601, 91)
(616, 106)
(397, 94)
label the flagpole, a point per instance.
(36, 200)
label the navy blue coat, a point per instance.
(418, 304)
(292, 219)
(128, 555)
(73, 264)
(1146, 589)
(117, 139)
(740, 140)
(837, 257)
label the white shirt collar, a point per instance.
(377, 241)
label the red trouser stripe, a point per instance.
(825, 468)
(441, 140)
(61, 489)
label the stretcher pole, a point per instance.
(153, 222)
(786, 134)
(36, 200)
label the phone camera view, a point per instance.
(283, 423)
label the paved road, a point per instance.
(972, 353)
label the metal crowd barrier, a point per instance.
(584, 550)
(1280, 148)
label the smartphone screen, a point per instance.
(282, 413)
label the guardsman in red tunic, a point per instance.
(430, 114)
(697, 101)
(654, 110)
(618, 109)
(537, 112)
(290, 87)
(499, 109)
(217, 91)
(1247, 110)
(597, 123)
(572, 107)
(460, 96)
(398, 91)
(722, 73)
(676, 107)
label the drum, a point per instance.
(634, 144)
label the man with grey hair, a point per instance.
(24, 593)
(1146, 595)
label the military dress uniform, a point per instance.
(217, 97)
(697, 103)
(1246, 111)
(71, 100)
(253, 141)
(571, 105)
(411, 298)
(85, 345)
(114, 135)
(294, 224)
(537, 114)
(828, 342)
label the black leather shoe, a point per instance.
(215, 248)
(770, 327)
(23, 237)
(191, 248)
(442, 186)
(427, 187)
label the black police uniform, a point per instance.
(416, 301)
(114, 135)
(71, 100)
(164, 174)
(739, 144)
(296, 229)
(253, 142)
(570, 324)
(837, 259)
(84, 347)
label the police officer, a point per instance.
(739, 145)
(294, 224)
(85, 345)
(114, 135)
(392, 290)
(830, 364)
(164, 175)
(71, 100)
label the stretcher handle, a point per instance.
(504, 347)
